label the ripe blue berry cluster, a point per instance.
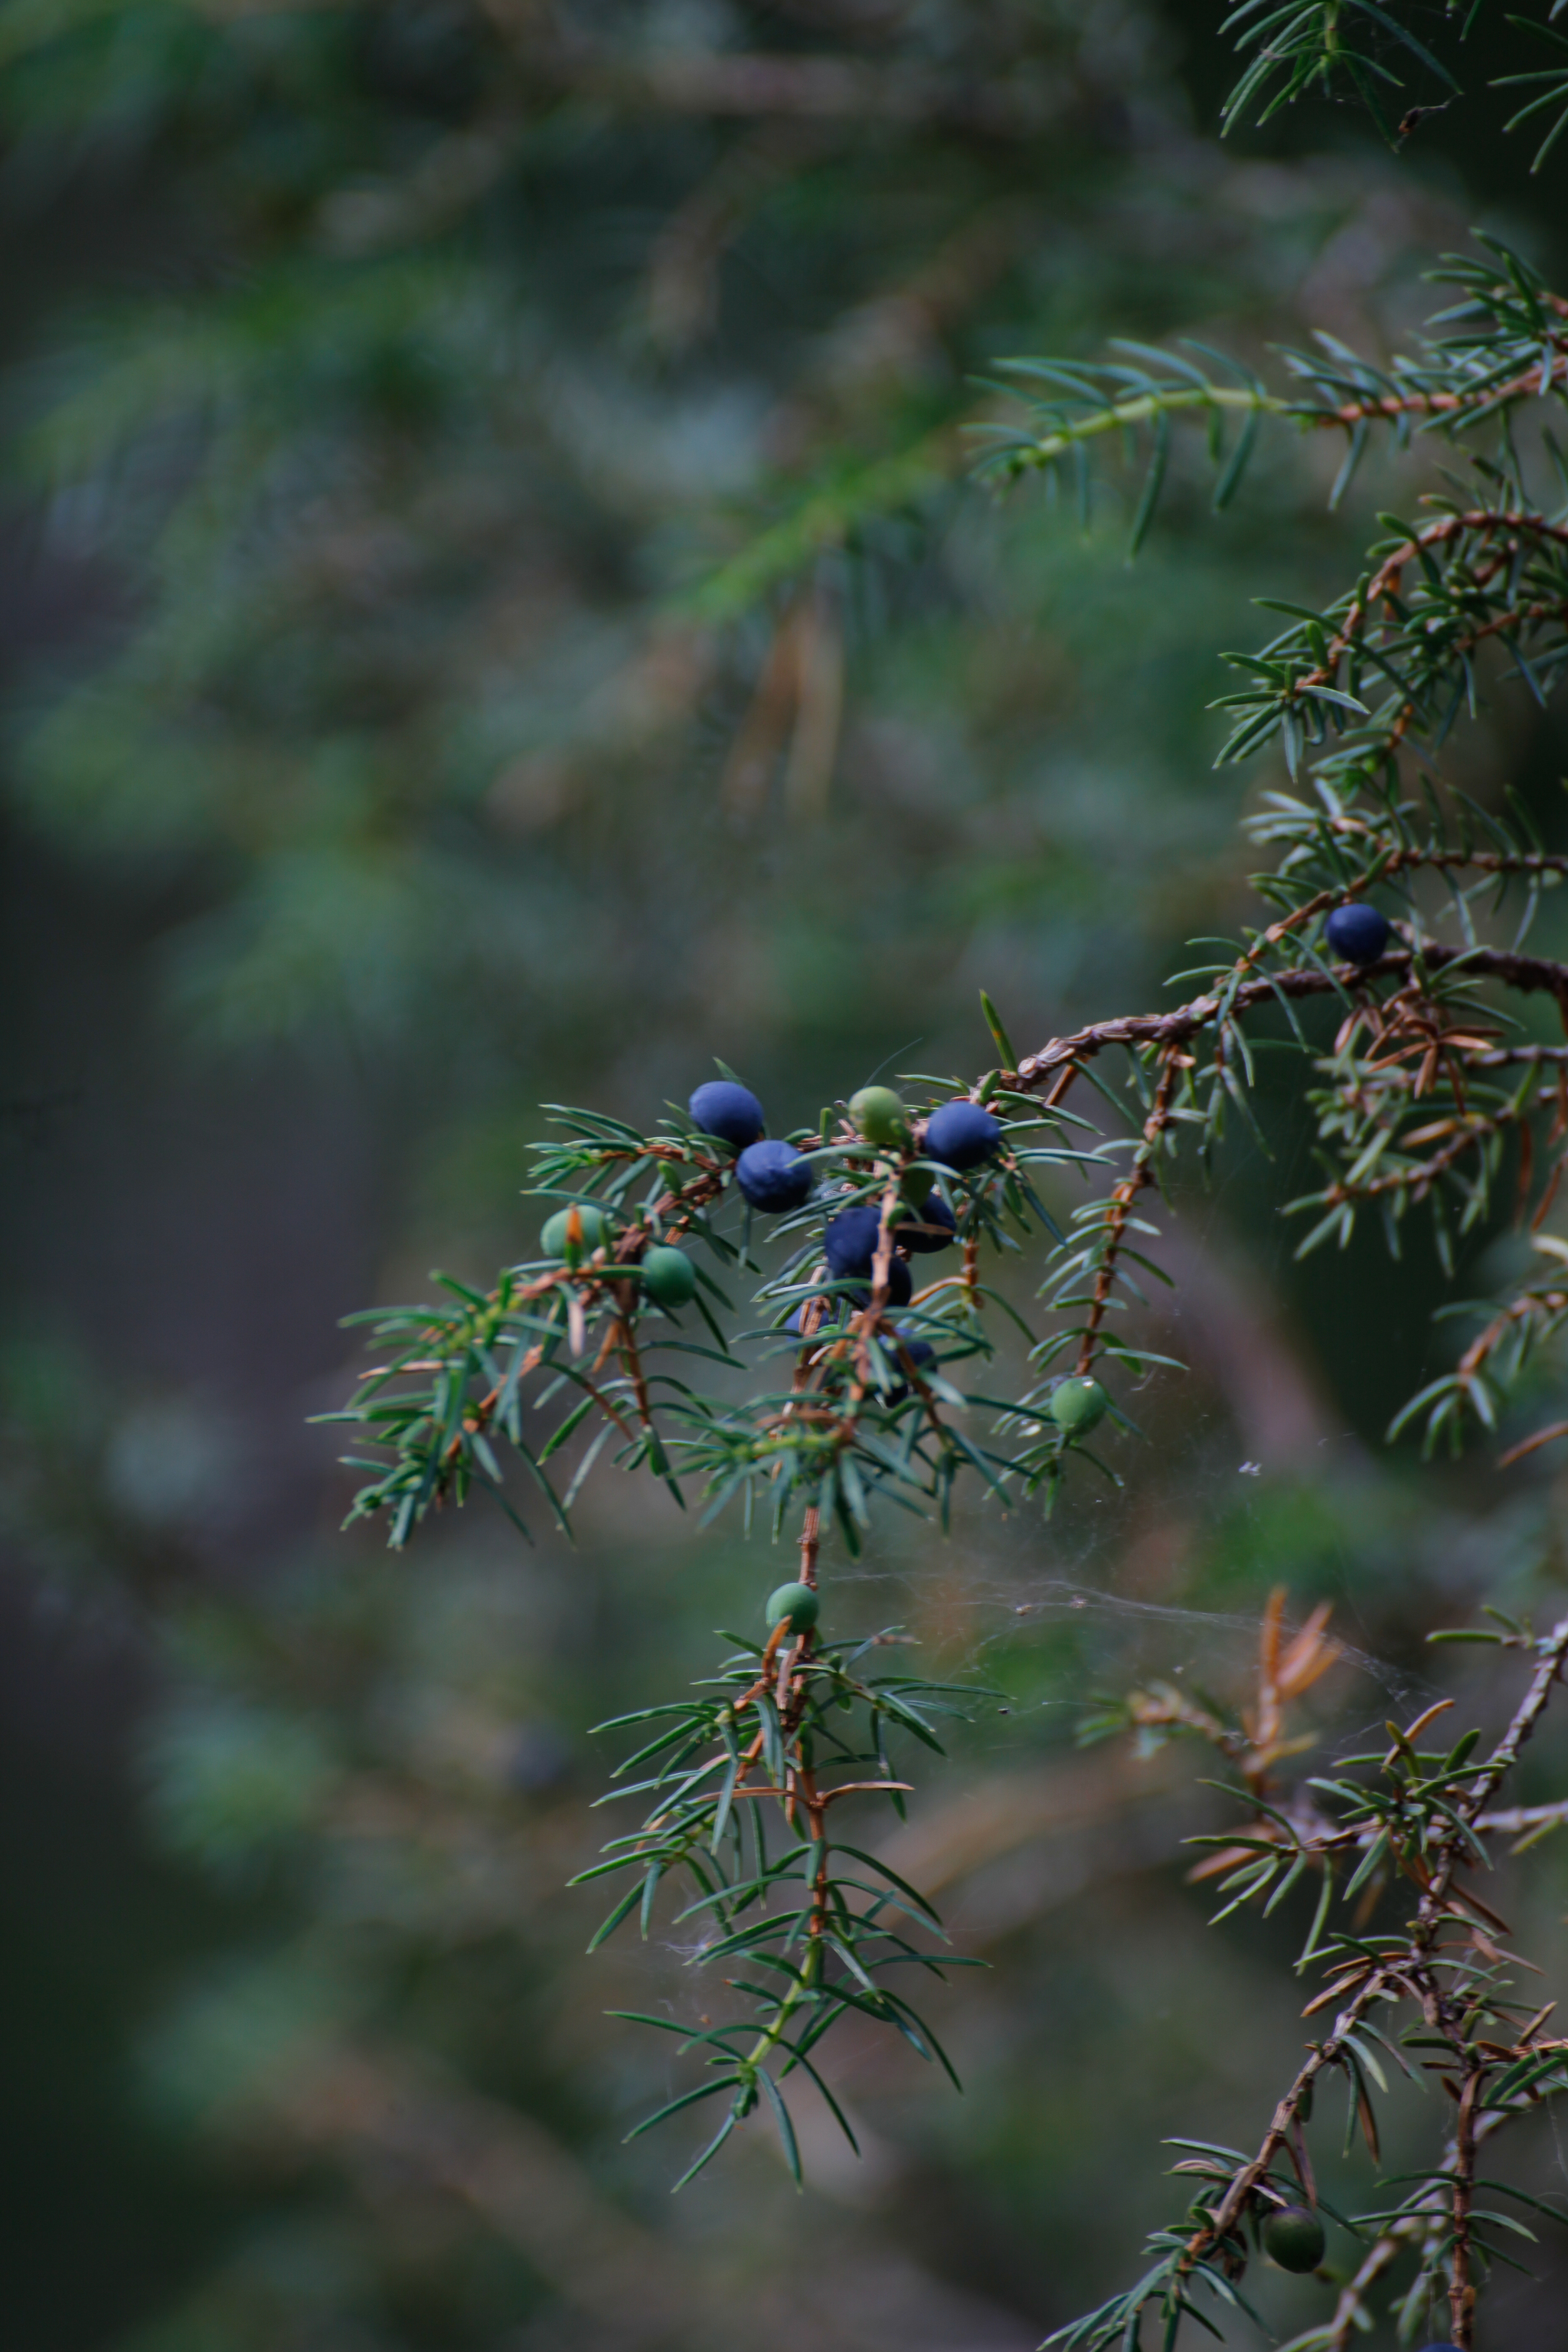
(857, 1353)
(774, 1177)
(777, 1178)
(864, 1249)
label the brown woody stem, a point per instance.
(1120, 1206)
(1394, 1975)
(1461, 2290)
(1058, 1062)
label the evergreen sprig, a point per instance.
(1327, 48)
(1404, 903)
(854, 1402)
(1420, 1820)
(1502, 344)
(822, 1921)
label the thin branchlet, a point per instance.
(843, 1382)
(1429, 1814)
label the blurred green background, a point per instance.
(492, 612)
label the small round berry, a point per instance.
(899, 1289)
(774, 1176)
(1077, 1405)
(1293, 2238)
(669, 1275)
(879, 1115)
(592, 1225)
(933, 1213)
(918, 1351)
(795, 1605)
(962, 1135)
(900, 1286)
(733, 1113)
(850, 1241)
(1358, 933)
(830, 1313)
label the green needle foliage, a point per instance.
(516, 400)
(846, 1412)
(1419, 1816)
(818, 1917)
(1551, 86)
(1359, 47)
(1434, 1095)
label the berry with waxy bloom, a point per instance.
(919, 1353)
(963, 1135)
(900, 1282)
(1358, 933)
(830, 1314)
(849, 1244)
(729, 1111)
(851, 1247)
(933, 1212)
(900, 1287)
(774, 1176)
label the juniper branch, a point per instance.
(1407, 1973)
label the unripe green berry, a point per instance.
(556, 1242)
(879, 1116)
(1294, 2238)
(796, 1605)
(1077, 1405)
(669, 1275)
